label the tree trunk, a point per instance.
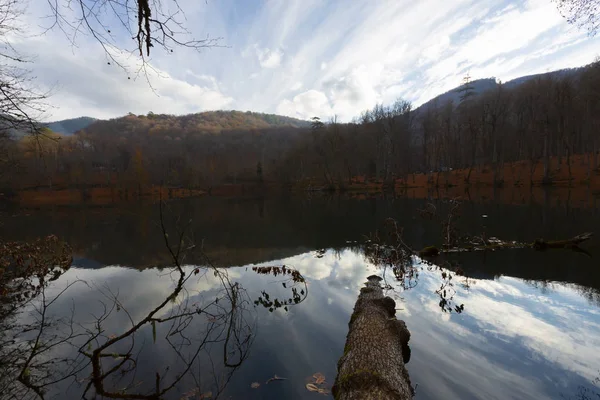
(373, 364)
(568, 148)
(468, 177)
(595, 156)
(532, 171)
(546, 160)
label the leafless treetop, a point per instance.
(583, 13)
(149, 23)
(20, 101)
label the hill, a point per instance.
(177, 126)
(530, 119)
(478, 86)
(481, 86)
(16, 128)
(68, 127)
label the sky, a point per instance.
(305, 58)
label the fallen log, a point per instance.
(537, 244)
(376, 350)
(541, 244)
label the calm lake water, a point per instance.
(530, 328)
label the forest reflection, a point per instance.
(103, 349)
(206, 315)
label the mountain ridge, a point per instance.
(223, 120)
(483, 85)
(68, 127)
(207, 122)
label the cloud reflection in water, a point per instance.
(512, 340)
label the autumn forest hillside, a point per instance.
(173, 126)
(482, 126)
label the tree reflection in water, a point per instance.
(388, 251)
(26, 270)
(201, 343)
(392, 254)
(50, 354)
(586, 393)
(292, 280)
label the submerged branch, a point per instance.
(495, 244)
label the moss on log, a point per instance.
(373, 363)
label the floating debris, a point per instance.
(319, 378)
(275, 378)
(312, 387)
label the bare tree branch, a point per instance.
(585, 14)
(149, 23)
(108, 364)
(21, 103)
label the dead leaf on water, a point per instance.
(255, 385)
(319, 378)
(323, 391)
(311, 387)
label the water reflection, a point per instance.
(529, 329)
(513, 340)
(116, 333)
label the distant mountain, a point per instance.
(483, 85)
(15, 128)
(561, 73)
(479, 86)
(200, 123)
(70, 126)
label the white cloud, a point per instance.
(306, 105)
(93, 87)
(296, 86)
(269, 58)
(355, 90)
(346, 56)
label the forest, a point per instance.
(531, 121)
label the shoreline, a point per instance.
(579, 196)
(573, 183)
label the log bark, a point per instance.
(376, 351)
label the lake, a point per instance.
(530, 327)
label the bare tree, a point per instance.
(27, 332)
(148, 23)
(20, 101)
(109, 365)
(583, 13)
